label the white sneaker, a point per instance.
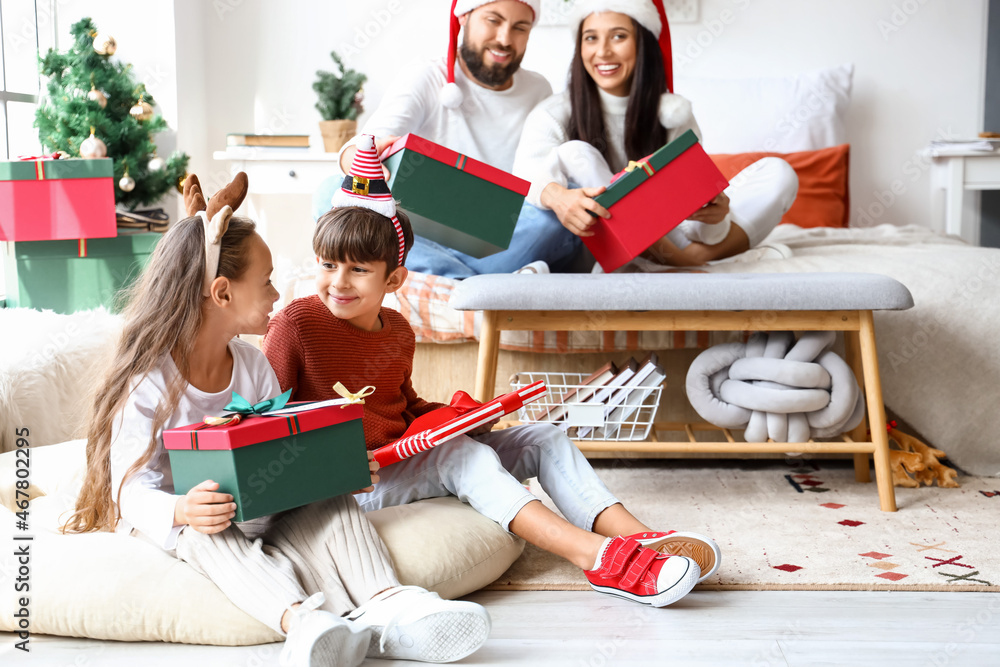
(538, 266)
(317, 638)
(410, 623)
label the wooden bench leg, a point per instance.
(876, 413)
(852, 354)
(489, 353)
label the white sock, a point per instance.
(600, 552)
(700, 232)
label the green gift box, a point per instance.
(274, 462)
(452, 199)
(67, 276)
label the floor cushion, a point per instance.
(110, 586)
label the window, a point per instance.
(26, 29)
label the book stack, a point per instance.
(269, 140)
(612, 403)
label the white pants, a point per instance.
(758, 196)
(487, 473)
(266, 565)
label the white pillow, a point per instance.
(110, 586)
(773, 114)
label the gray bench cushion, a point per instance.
(682, 291)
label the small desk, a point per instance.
(952, 174)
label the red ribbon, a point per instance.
(27, 158)
(461, 403)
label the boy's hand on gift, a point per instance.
(485, 428)
(205, 510)
(373, 467)
(714, 211)
(574, 207)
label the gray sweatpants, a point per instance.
(268, 564)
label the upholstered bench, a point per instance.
(703, 302)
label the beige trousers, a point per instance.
(268, 564)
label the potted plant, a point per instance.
(339, 103)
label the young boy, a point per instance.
(343, 334)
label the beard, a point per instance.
(496, 75)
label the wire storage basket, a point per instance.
(585, 412)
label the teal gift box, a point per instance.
(273, 463)
(67, 276)
(453, 199)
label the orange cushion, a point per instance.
(823, 200)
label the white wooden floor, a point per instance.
(583, 629)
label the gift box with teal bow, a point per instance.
(272, 457)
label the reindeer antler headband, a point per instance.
(215, 215)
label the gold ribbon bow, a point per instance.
(643, 164)
(356, 397)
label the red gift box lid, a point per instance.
(256, 429)
(455, 159)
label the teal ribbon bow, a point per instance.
(242, 406)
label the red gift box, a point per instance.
(460, 416)
(274, 462)
(51, 200)
(661, 192)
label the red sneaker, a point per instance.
(629, 570)
(698, 548)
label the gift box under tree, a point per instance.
(68, 276)
(45, 200)
(273, 463)
(452, 199)
(659, 193)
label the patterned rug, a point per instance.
(800, 525)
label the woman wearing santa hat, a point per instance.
(619, 106)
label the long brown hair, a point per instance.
(162, 316)
(643, 131)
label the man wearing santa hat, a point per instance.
(474, 101)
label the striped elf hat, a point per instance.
(365, 187)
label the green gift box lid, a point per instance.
(638, 176)
(453, 199)
(44, 170)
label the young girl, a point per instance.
(619, 108)
(179, 360)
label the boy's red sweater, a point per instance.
(311, 350)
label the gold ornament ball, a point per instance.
(92, 148)
(141, 111)
(157, 164)
(105, 44)
(180, 183)
(99, 97)
(127, 184)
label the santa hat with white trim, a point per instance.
(650, 14)
(365, 187)
(451, 94)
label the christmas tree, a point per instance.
(95, 108)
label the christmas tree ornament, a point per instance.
(141, 110)
(127, 184)
(156, 163)
(180, 183)
(105, 44)
(92, 147)
(97, 96)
